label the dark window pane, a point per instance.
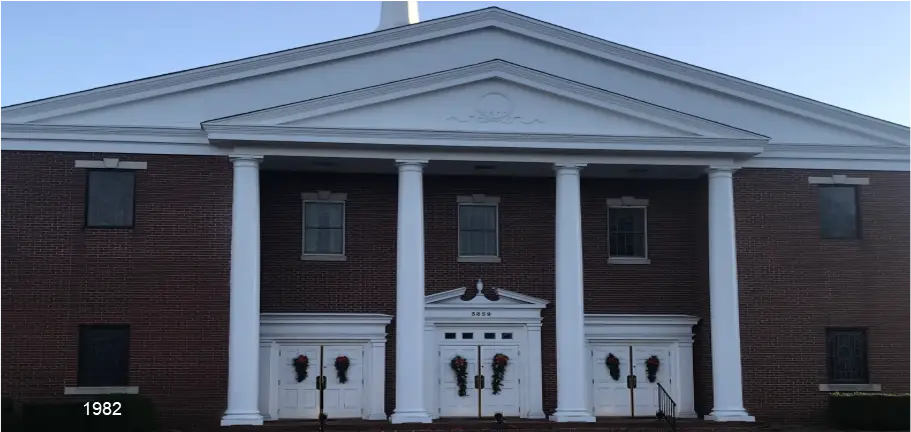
(490, 335)
(104, 353)
(838, 212)
(506, 336)
(467, 335)
(847, 355)
(478, 230)
(450, 335)
(627, 232)
(324, 231)
(109, 199)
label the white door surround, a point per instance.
(363, 334)
(516, 315)
(604, 332)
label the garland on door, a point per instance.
(500, 361)
(301, 363)
(459, 365)
(613, 366)
(341, 368)
(651, 368)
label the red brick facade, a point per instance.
(168, 277)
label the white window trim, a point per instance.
(479, 200)
(100, 390)
(628, 202)
(325, 197)
(839, 179)
(111, 163)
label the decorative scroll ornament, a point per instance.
(494, 108)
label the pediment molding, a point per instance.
(474, 297)
(685, 124)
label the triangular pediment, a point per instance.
(491, 97)
(480, 296)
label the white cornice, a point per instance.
(482, 140)
(485, 18)
(483, 71)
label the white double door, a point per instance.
(322, 388)
(479, 399)
(631, 394)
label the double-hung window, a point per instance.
(479, 229)
(324, 226)
(627, 230)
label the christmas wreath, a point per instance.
(651, 368)
(613, 366)
(500, 361)
(460, 366)
(341, 368)
(301, 363)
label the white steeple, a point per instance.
(397, 14)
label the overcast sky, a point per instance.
(855, 55)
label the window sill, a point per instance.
(628, 260)
(318, 257)
(479, 259)
(100, 390)
(850, 387)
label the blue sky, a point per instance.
(855, 55)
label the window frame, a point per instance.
(629, 203)
(858, 231)
(80, 379)
(324, 197)
(830, 370)
(478, 201)
(87, 200)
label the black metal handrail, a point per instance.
(667, 408)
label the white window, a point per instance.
(627, 230)
(479, 229)
(324, 226)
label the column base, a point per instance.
(242, 419)
(566, 416)
(730, 416)
(410, 417)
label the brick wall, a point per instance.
(167, 278)
(794, 284)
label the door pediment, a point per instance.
(494, 98)
(480, 296)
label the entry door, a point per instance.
(645, 395)
(305, 399)
(343, 400)
(298, 400)
(451, 404)
(632, 394)
(507, 401)
(611, 397)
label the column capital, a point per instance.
(566, 168)
(245, 159)
(721, 170)
(410, 164)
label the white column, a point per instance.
(571, 359)
(409, 299)
(725, 312)
(243, 336)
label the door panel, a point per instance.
(451, 404)
(609, 397)
(507, 401)
(298, 399)
(343, 400)
(645, 397)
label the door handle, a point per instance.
(477, 382)
(324, 381)
(319, 383)
(482, 381)
(630, 381)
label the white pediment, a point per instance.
(491, 97)
(505, 299)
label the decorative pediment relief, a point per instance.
(479, 295)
